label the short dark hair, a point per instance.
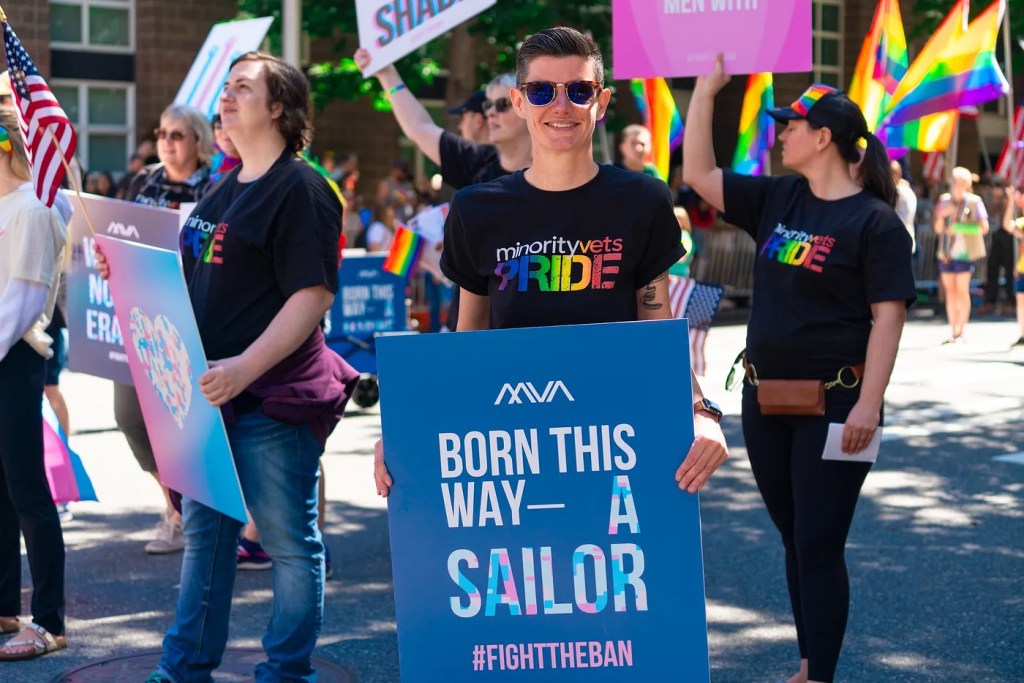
(287, 86)
(560, 41)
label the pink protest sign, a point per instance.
(681, 37)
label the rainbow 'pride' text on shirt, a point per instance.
(798, 248)
(560, 265)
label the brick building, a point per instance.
(115, 64)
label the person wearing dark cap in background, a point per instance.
(832, 283)
(472, 122)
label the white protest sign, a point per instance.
(389, 30)
(226, 41)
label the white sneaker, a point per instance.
(169, 538)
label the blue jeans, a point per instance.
(278, 470)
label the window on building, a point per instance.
(828, 42)
(107, 25)
(104, 118)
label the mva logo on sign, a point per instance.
(548, 543)
(511, 393)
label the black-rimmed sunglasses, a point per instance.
(500, 105)
(542, 93)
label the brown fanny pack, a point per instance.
(799, 396)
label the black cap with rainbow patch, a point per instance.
(827, 107)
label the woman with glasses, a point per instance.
(31, 243)
(832, 283)
(185, 147)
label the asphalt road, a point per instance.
(935, 553)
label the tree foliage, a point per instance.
(499, 31)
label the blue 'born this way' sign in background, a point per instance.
(537, 531)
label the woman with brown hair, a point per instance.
(32, 239)
(259, 290)
(832, 283)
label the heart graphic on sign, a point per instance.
(162, 352)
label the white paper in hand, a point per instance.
(834, 446)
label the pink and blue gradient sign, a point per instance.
(537, 531)
(676, 38)
(166, 358)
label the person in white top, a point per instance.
(32, 239)
(906, 203)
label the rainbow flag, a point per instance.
(882, 63)
(757, 129)
(405, 251)
(661, 116)
(932, 133)
(5, 140)
(964, 72)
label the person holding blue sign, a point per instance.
(259, 288)
(832, 284)
(568, 241)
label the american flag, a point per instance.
(698, 303)
(1014, 172)
(934, 165)
(45, 127)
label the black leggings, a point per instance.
(26, 506)
(811, 501)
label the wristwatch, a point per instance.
(708, 406)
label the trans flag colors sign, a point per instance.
(166, 358)
(537, 531)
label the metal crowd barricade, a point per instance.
(725, 257)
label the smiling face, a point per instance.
(503, 126)
(561, 125)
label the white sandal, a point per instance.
(33, 641)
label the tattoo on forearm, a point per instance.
(648, 294)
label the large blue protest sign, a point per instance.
(166, 358)
(537, 531)
(95, 335)
(369, 301)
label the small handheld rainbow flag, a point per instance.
(661, 116)
(405, 252)
(5, 140)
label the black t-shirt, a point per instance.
(248, 247)
(561, 258)
(468, 163)
(151, 186)
(819, 267)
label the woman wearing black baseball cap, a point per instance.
(832, 283)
